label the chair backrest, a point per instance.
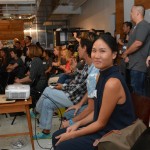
(142, 107)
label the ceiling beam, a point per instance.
(17, 2)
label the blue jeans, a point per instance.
(47, 104)
(138, 81)
(70, 114)
(63, 78)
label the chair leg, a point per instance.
(14, 120)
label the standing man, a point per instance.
(137, 49)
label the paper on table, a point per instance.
(3, 100)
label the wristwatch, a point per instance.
(71, 122)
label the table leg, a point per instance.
(30, 126)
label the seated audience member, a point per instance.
(19, 49)
(16, 66)
(65, 57)
(36, 76)
(113, 108)
(56, 61)
(64, 66)
(81, 109)
(75, 65)
(17, 45)
(47, 62)
(63, 95)
(14, 41)
(5, 59)
(28, 42)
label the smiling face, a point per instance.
(102, 55)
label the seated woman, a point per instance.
(75, 65)
(110, 89)
(5, 59)
(36, 76)
(16, 66)
(56, 61)
(63, 67)
(47, 62)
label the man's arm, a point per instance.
(89, 109)
(148, 61)
(85, 112)
(78, 105)
(133, 48)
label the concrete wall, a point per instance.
(147, 15)
(127, 9)
(97, 14)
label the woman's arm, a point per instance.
(48, 70)
(116, 95)
(11, 67)
(56, 64)
(23, 80)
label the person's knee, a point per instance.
(47, 90)
(69, 114)
(55, 134)
(60, 147)
(47, 103)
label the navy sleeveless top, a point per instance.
(123, 114)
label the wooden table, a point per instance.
(19, 106)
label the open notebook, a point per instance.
(3, 100)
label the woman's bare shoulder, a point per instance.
(113, 83)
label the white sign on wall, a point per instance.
(147, 15)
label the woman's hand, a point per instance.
(64, 137)
(72, 128)
(58, 86)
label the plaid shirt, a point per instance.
(77, 87)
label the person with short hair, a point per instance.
(138, 49)
(15, 68)
(63, 95)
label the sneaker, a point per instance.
(42, 136)
(32, 114)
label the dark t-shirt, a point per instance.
(20, 69)
(141, 32)
(37, 75)
(47, 63)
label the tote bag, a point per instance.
(121, 139)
